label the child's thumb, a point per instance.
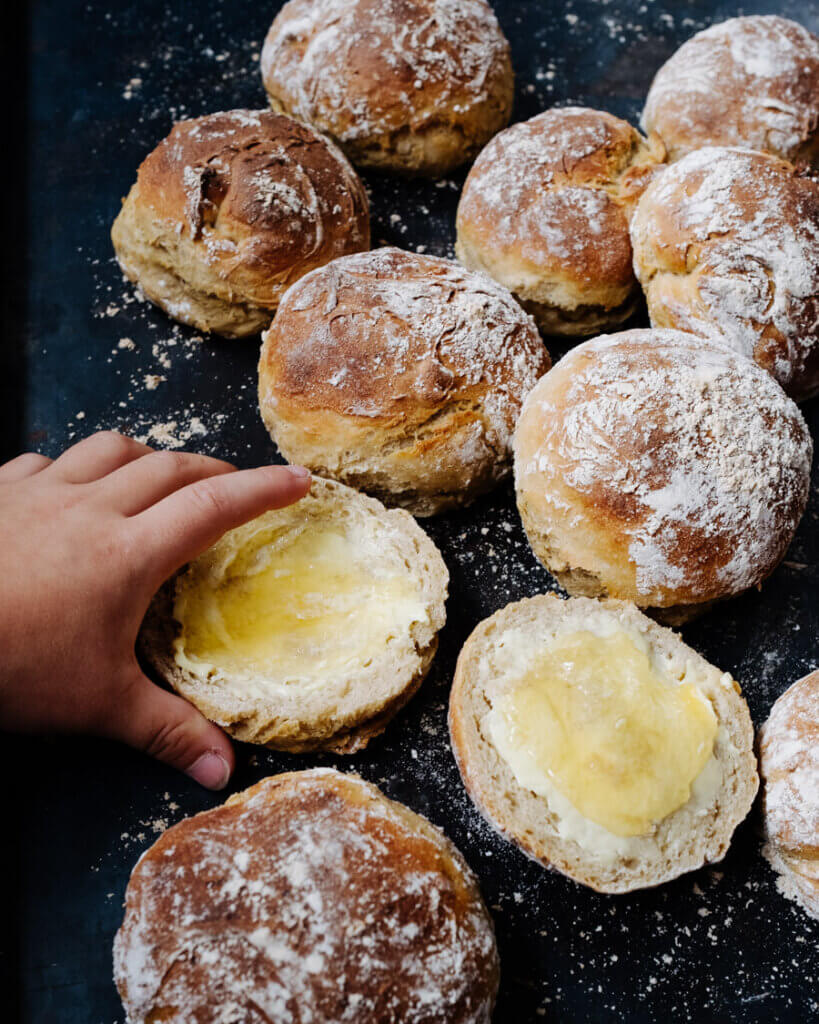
(172, 730)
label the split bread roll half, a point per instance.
(401, 375)
(789, 766)
(232, 208)
(413, 86)
(661, 468)
(599, 743)
(726, 245)
(545, 211)
(308, 897)
(750, 82)
(307, 628)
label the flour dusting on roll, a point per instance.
(399, 374)
(232, 208)
(308, 897)
(662, 469)
(750, 81)
(415, 86)
(789, 765)
(545, 211)
(726, 244)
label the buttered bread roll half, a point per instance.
(726, 244)
(401, 375)
(599, 743)
(307, 628)
(660, 468)
(789, 765)
(309, 897)
(750, 82)
(232, 208)
(545, 211)
(415, 86)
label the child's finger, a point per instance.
(183, 525)
(98, 455)
(23, 466)
(173, 731)
(143, 482)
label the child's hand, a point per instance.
(87, 540)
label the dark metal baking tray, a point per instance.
(97, 85)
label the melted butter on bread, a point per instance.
(304, 604)
(595, 719)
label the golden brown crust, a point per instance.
(308, 896)
(399, 374)
(660, 468)
(415, 86)
(545, 211)
(233, 208)
(750, 81)
(726, 244)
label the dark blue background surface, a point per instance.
(105, 82)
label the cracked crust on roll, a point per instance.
(751, 82)
(697, 833)
(726, 245)
(309, 896)
(410, 86)
(350, 707)
(545, 211)
(229, 210)
(660, 468)
(399, 374)
(789, 766)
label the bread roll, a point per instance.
(307, 628)
(545, 211)
(415, 86)
(232, 208)
(726, 244)
(660, 468)
(308, 897)
(599, 743)
(401, 375)
(789, 766)
(751, 82)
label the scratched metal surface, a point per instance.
(105, 82)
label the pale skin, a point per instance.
(88, 539)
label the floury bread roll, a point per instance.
(401, 375)
(232, 208)
(789, 765)
(415, 86)
(726, 244)
(545, 211)
(308, 897)
(662, 469)
(307, 628)
(599, 743)
(750, 82)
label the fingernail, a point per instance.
(299, 471)
(210, 770)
